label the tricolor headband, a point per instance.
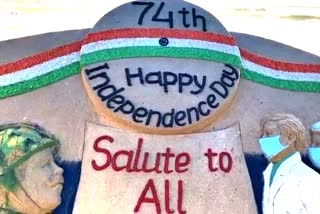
(39, 70)
(155, 42)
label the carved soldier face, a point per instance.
(42, 179)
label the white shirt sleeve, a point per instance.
(309, 189)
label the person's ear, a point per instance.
(286, 139)
(292, 138)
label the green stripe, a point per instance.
(131, 52)
(279, 83)
(40, 81)
(74, 68)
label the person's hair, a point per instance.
(288, 125)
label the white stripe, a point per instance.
(173, 42)
(39, 69)
(280, 74)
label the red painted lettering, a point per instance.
(210, 156)
(154, 197)
(180, 163)
(139, 161)
(167, 155)
(156, 165)
(115, 157)
(144, 199)
(229, 161)
(180, 198)
(224, 162)
(167, 196)
(102, 150)
(136, 157)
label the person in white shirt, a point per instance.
(290, 186)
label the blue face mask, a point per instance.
(271, 146)
(314, 156)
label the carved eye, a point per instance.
(46, 164)
(163, 41)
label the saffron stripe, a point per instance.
(39, 58)
(39, 81)
(39, 69)
(56, 64)
(278, 65)
(158, 33)
(279, 74)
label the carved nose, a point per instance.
(58, 170)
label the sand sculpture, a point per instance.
(287, 178)
(31, 182)
(161, 104)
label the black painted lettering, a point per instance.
(169, 78)
(184, 12)
(227, 80)
(108, 91)
(234, 72)
(211, 99)
(220, 89)
(195, 113)
(202, 112)
(154, 78)
(148, 6)
(102, 78)
(184, 80)
(98, 68)
(117, 99)
(168, 118)
(201, 85)
(197, 18)
(127, 107)
(150, 116)
(161, 15)
(130, 76)
(138, 113)
(179, 118)
(156, 17)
